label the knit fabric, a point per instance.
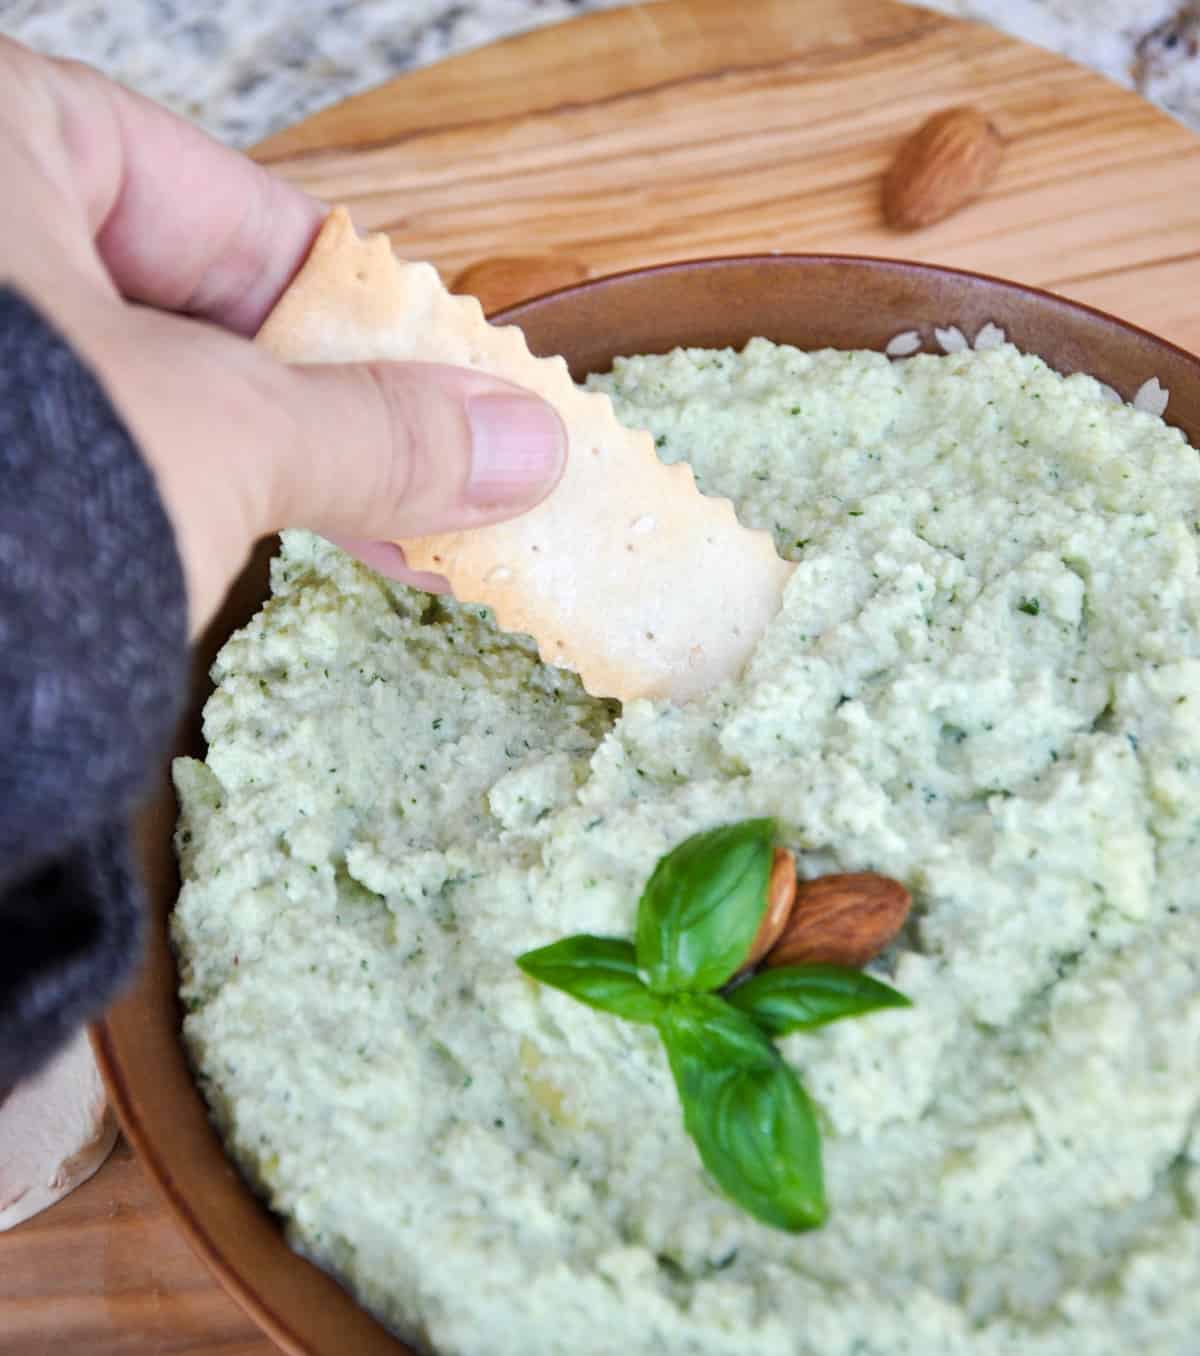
(93, 649)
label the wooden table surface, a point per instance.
(106, 1272)
(684, 128)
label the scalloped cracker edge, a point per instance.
(625, 573)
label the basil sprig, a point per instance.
(743, 1105)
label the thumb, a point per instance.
(387, 450)
(242, 444)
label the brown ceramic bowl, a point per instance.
(810, 301)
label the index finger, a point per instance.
(180, 221)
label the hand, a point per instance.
(158, 252)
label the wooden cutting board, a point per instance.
(678, 129)
(695, 127)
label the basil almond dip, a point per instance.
(984, 684)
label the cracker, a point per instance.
(625, 573)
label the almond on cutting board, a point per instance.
(946, 163)
(504, 281)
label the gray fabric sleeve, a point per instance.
(93, 650)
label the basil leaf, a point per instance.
(800, 997)
(701, 907)
(711, 1036)
(744, 1108)
(599, 971)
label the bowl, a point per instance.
(809, 301)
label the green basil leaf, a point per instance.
(800, 997)
(711, 1036)
(747, 1113)
(599, 971)
(701, 907)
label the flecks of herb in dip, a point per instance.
(398, 801)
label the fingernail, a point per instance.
(517, 449)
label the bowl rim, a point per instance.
(199, 1238)
(106, 1031)
(510, 313)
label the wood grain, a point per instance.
(697, 127)
(105, 1272)
(684, 128)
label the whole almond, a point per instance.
(504, 281)
(781, 893)
(949, 160)
(841, 920)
